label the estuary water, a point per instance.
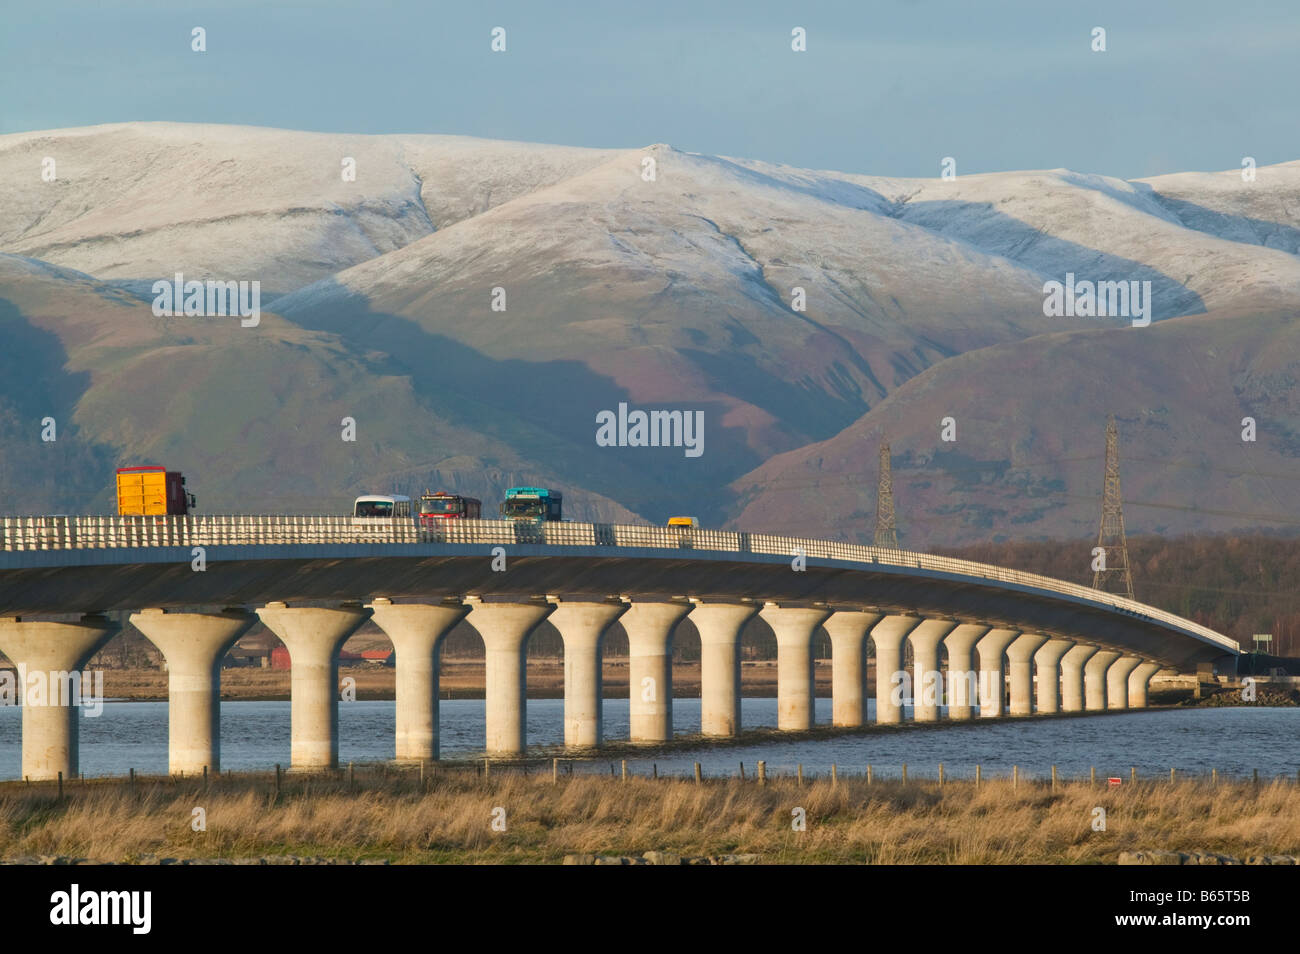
(255, 736)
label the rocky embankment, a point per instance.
(1265, 696)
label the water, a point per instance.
(255, 736)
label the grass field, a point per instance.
(387, 813)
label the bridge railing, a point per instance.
(111, 532)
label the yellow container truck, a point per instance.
(150, 490)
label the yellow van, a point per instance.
(690, 522)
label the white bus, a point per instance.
(381, 510)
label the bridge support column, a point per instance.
(505, 628)
(46, 656)
(794, 627)
(314, 636)
(848, 631)
(1094, 679)
(1117, 681)
(991, 648)
(582, 627)
(888, 636)
(927, 680)
(649, 628)
(1020, 663)
(417, 631)
(719, 625)
(1047, 664)
(961, 669)
(1138, 680)
(1072, 664)
(193, 645)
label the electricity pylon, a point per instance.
(1116, 576)
(886, 533)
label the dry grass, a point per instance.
(389, 816)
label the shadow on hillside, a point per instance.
(545, 410)
(1236, 228)
(1052, 257)
(44, 476)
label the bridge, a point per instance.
(194, 584)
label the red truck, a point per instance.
(445, 506)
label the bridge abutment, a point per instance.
(49, 657)
(888, 636)
(505, 628)
(193, 645)
(960, 644)
(1094, 679)
(582, 627)
(719, 625)
(314, 636)
(1047, 666)
(848, 632)
(927, 680)
(1020, 666)
(991, 648)
(649, 628)
(416, 631)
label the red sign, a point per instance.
(1113, 781)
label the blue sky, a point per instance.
(886, 86)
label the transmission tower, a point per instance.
(886, 533)
(1116, 577)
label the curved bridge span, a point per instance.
(314, 580)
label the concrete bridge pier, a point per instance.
(649, 628)
(46, 656)
(1047, 666)
(505, 628)
(1020, 665)
(193, 645)
(848, 632)
(1117, 681)
(582, 627)
(991, 648)
(961, 669)
(1072, 663)
(719, 625)
(1094, 679)
(417, 631)
(314, 636)
(888, 636)
(796, 690)
(927, 680)
(1138, 680)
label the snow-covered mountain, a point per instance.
(474, 304)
